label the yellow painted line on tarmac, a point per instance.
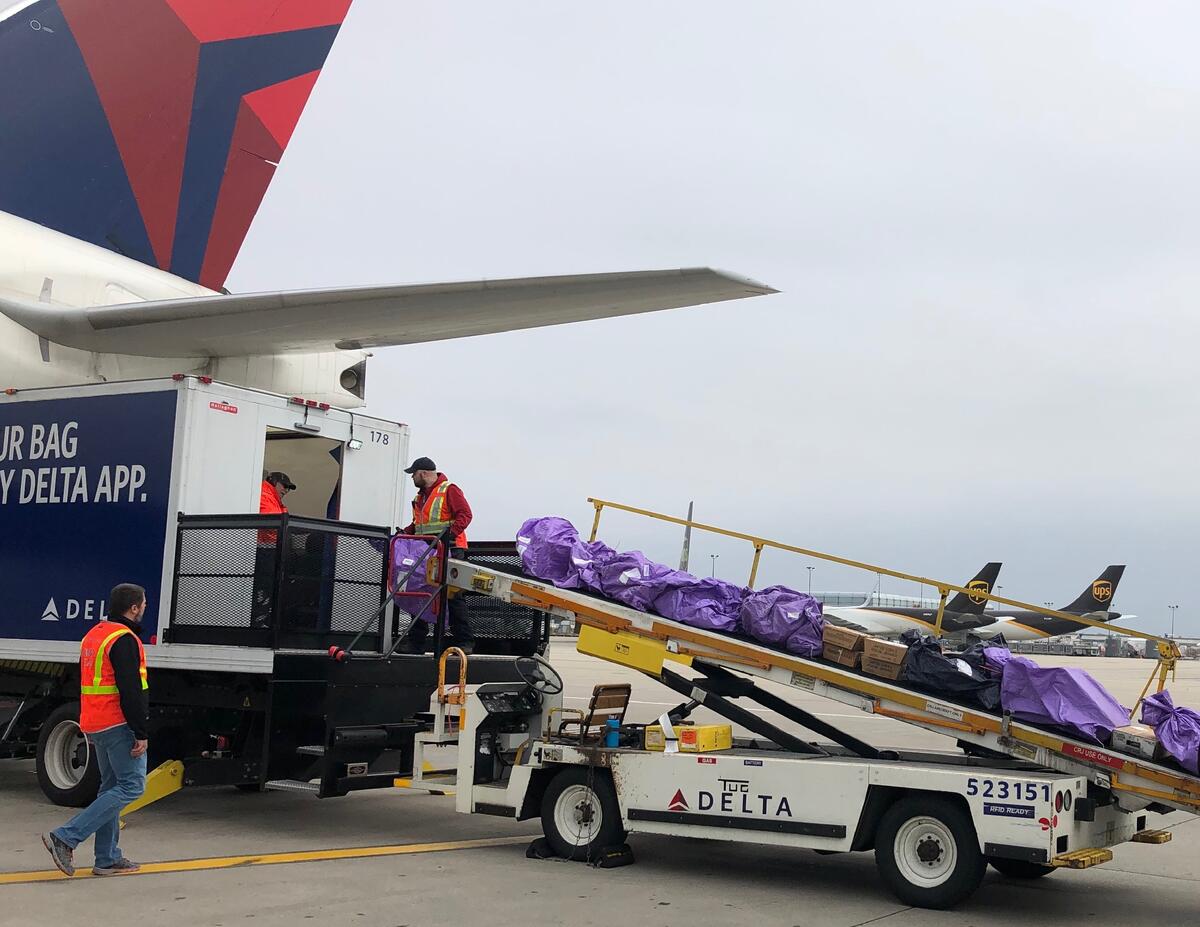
(269, 859)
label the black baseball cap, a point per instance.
(422, 463)
(276, 477)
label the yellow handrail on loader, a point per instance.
(1168, 650)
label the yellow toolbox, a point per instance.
(693, 738)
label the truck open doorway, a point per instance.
(314, 465)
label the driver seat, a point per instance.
(609, 700)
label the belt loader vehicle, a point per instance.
(1021, 799)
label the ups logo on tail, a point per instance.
(979, 590)
(1102, 590)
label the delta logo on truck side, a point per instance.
(87, 609)
(734, 797)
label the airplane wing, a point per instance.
(309, 321)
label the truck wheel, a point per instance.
(1020, 869)
(580, 814)
(927, 852)
(67, 769)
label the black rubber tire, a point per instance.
(969, 866)
(1020, 869)
(84, 791)
(610, 833)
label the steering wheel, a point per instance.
(539, 675)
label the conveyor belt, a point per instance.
(646, 641)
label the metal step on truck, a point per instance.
(1024, 800)
(157, 483)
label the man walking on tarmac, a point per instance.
(438, 506)
(113, 713)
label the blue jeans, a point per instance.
(122, 779)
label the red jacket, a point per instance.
(456, 502)
(269, 502)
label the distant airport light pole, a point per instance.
(810, 569)
(1172, 609)
(714, 558)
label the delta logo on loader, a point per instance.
(734, 797)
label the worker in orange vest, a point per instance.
(275, 486)
(440, 507)
(114, 714)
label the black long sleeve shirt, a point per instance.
(123, 654)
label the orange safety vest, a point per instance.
(433, 516)
(99, 697)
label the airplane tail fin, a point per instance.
(154, 127)
(985, 582)
(1098, 596)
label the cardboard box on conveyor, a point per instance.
(842, 646)
(843, 638)
(1137, 740)
(843, 656)
(884, 659)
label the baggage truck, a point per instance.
(157, 482)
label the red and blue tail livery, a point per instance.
(153, 127)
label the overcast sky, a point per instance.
(983, 219)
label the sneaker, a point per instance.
(467, 647)
(122, 866)
(408, 646)
(63, 855)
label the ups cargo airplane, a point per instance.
(139, 138)
(968, 613)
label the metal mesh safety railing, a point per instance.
(276, 581)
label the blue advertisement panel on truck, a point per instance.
(84, 492)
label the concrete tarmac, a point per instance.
(433, 867)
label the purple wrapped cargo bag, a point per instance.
(405, 555)
(1177, 729)
(545, 546)
(633, 579)
(709, 603)
(550, 549)
(780, 616)
(1065, 698)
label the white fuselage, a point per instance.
(892, 624)
(40, 265)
